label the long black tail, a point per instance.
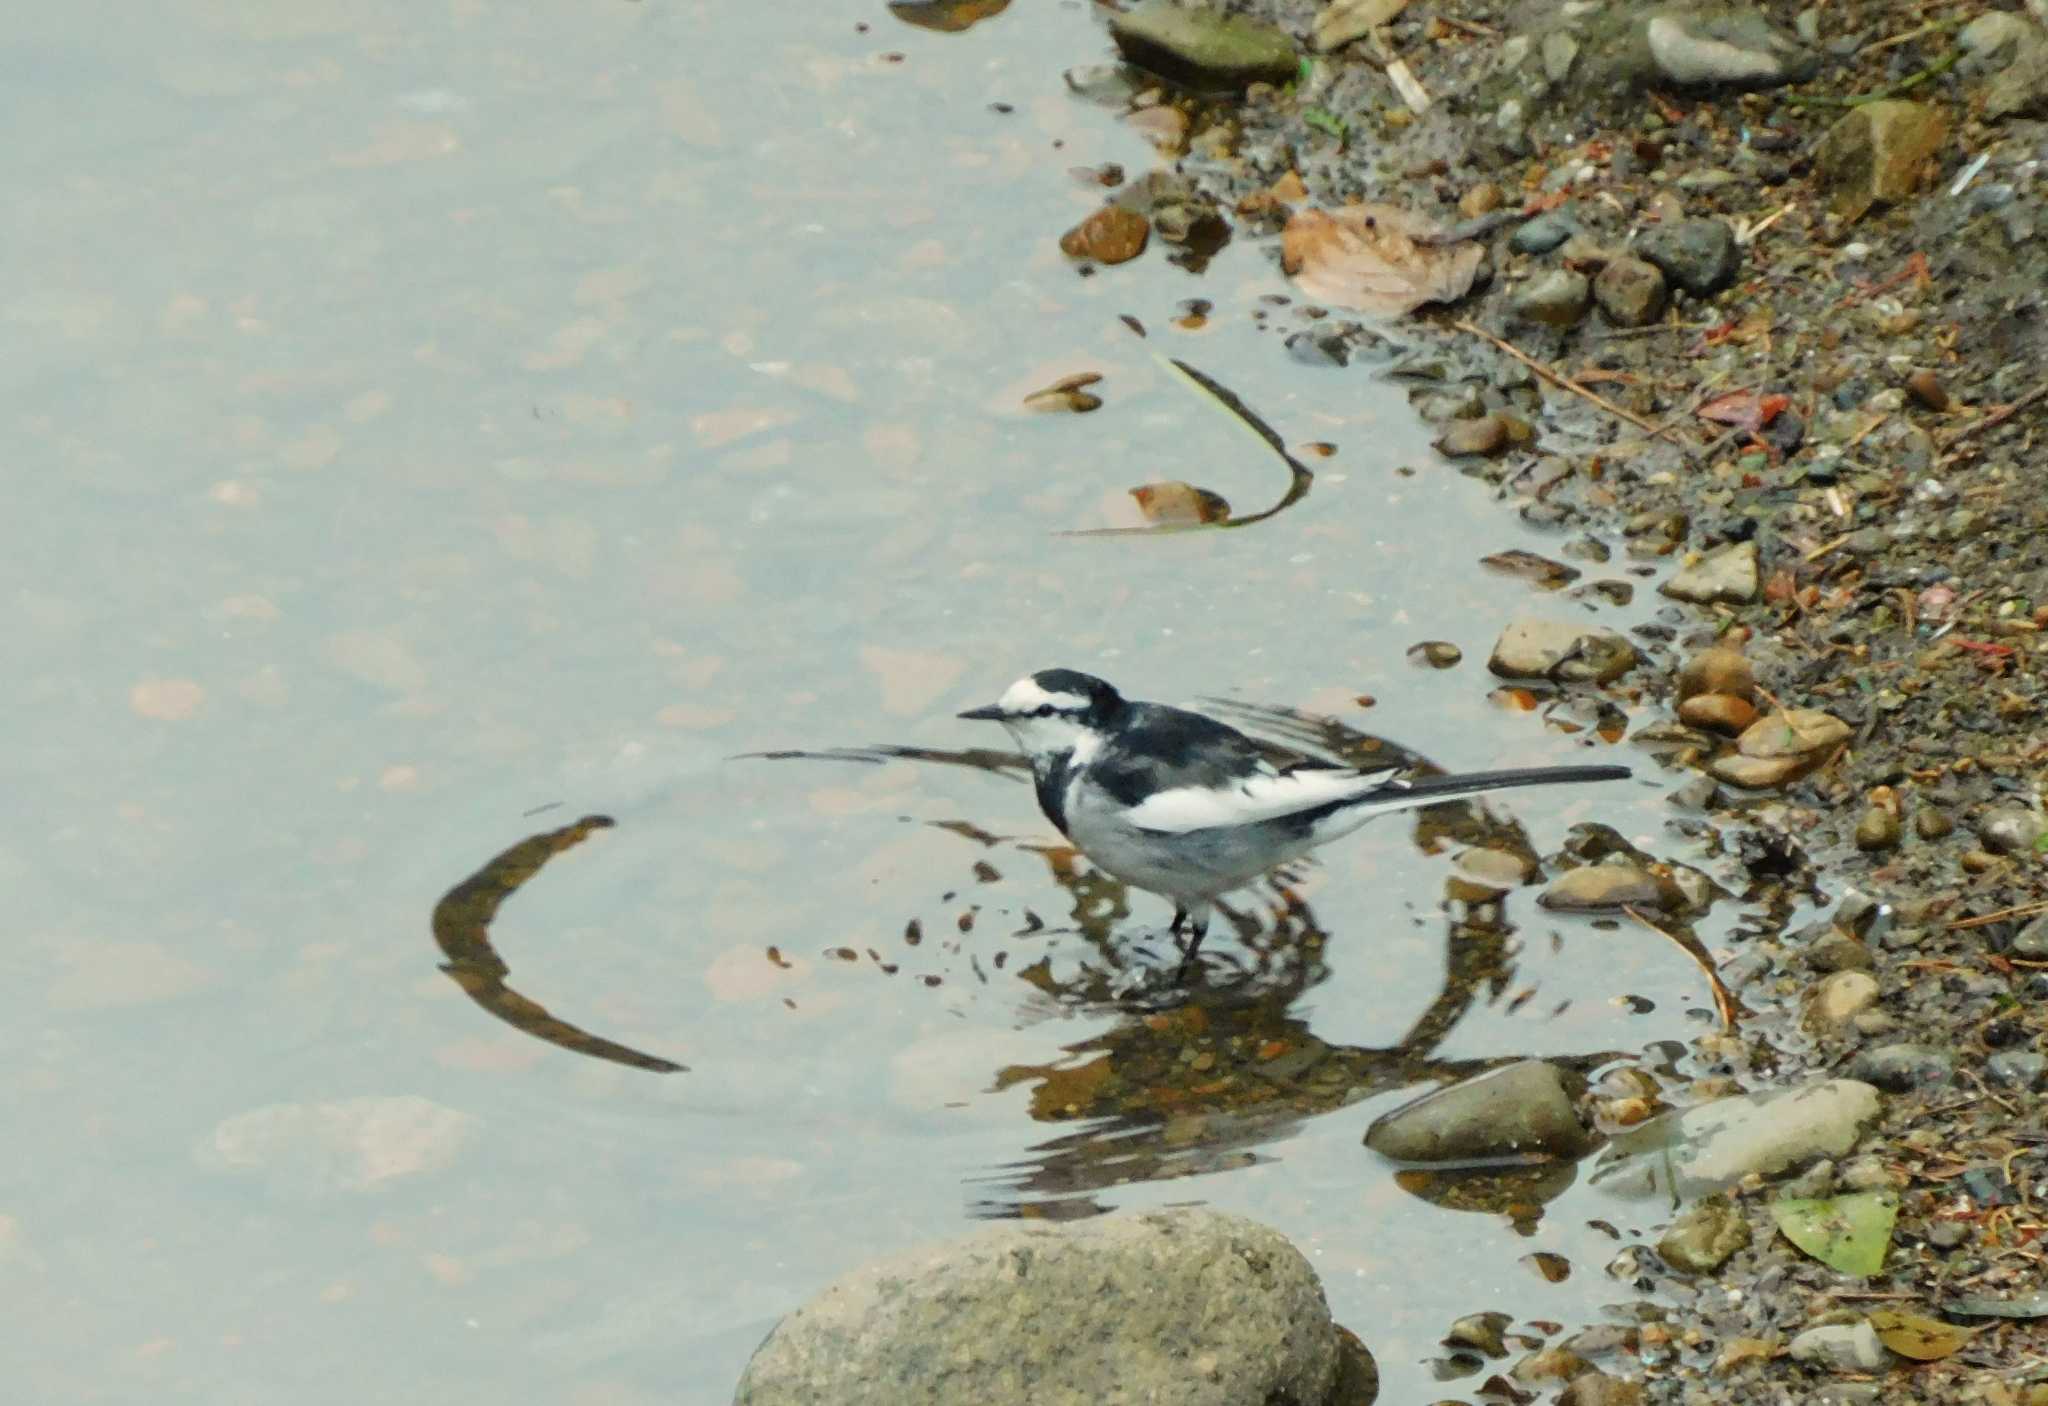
(1428, 790)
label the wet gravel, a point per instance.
(1825, 420)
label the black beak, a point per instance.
(987, 714)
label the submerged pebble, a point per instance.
(1522, 1112)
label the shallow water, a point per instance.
(432, 427)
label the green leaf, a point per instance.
(1846, 1233)
(1324, 120)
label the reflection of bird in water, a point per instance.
(1190, 808)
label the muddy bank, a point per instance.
(1753, 294)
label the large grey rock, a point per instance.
(1522, 1111)
(1710, 1147)
(1188, 1306)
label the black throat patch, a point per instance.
(1052, 789)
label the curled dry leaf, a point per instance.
(1067, 393)
(1375, 258)
(1177, 504)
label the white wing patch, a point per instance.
(1256, 799)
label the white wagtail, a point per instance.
(1190, 808)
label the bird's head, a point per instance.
(1052, 711)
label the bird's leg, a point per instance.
(1198, 929)
(1180, 917)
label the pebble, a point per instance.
(1543, 233)
(1483, 435)
(1595, 1388)
(1435, 654)
(1699, 255)
(1903, 1068)
(1995, 37)
(1630, 292)
(1757, 773)
(2011, 830)
(1834, 1000)
(1482, 1332)
(1522, 1111)
(1875, 153)
(1932, 823)
(1734, 47)
(2017, 1069)
(1207, 46)
(1594, 888)
(1479, 200)
(2031, 942)
(1846, 1347)
(1838, 952)
(1112, 235)
(1701, 1240)
(1720, 669)
(1710, 1146)
(1727, 573)
(1878, 829)
(1550, 1364)
(1556, 298)
(1793, 732)
(1719, 712)
(1926, 388)
(1536, 648)
(1559, 50)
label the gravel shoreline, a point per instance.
(1785, 313)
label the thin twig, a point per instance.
(1567, 383)
(1723, 1001)
(1996, 417)
(2023, 910)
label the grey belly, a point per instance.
(1197, 864)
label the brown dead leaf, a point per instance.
(1067, 393)
(1178, 504)
(1922, 1339)
(1375, 258)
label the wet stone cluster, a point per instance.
(1757, 307)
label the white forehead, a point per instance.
(1025, 696)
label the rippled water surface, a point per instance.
(430, 425)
